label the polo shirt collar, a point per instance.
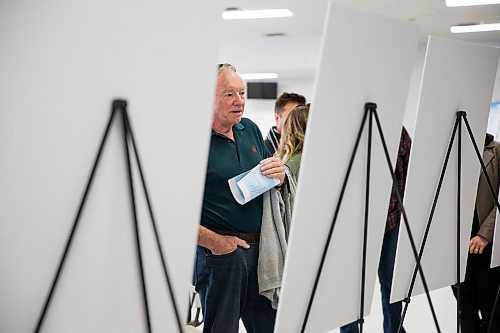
(238, 127)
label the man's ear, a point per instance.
(276, 117)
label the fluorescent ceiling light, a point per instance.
(255, 14)
(459, 3)
(457, 29)
(258, 76)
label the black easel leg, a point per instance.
(407, 225)
(493, 195)
(334, 220)
(431, 215)
(155, 229)
(134, 213)
(459, 210)
(365, 231)
(75, 223)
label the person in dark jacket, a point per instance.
(284, 104)
(479, 289)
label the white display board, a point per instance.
(365, 58)
(61, 65)
(457, 76)
(495, 257)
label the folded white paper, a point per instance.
(250, 184)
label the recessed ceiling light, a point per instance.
(457, 29)
(459, 3)
(255, 14)
(258, 76)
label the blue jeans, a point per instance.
(228, 290)
(392, 312)
(350, 328)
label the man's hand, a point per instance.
(219, 244)
(272, 167)
(227, 244)
(477, 244)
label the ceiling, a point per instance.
(309, 15)
(296, 55)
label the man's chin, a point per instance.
(238, 119)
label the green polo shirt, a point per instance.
(228, 158)
(294, 165)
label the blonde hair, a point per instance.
(294, 131)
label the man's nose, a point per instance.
(240, 100)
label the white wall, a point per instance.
(272, 53)
(278, 55)
(410, 117)
(261, 111)
(494, 119)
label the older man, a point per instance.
(225, 272)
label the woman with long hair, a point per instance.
(292, 139)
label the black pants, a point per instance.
(478, 293)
